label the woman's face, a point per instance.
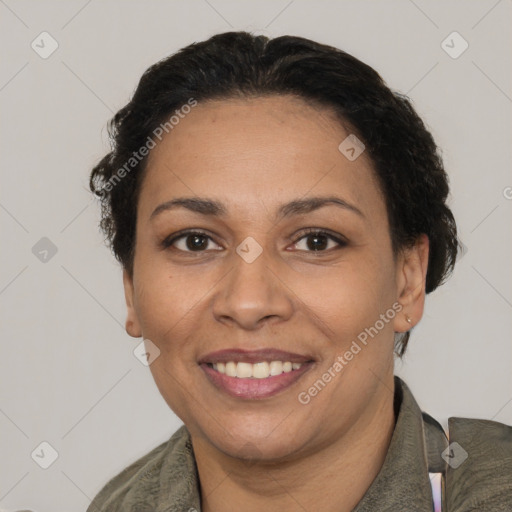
(255, 287)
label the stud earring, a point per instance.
(408, 318)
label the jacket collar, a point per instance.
(403, 482)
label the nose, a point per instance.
(252, 294)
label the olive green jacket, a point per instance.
(476, 468)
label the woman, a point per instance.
(280, 214)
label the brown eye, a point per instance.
(196, 242)
(191, 241)
(319, 241)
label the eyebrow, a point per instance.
(205, 206)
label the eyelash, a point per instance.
(169, 241)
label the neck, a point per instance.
(332, 478)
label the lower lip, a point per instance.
(254, 388)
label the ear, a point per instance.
(132, 320)
(411, 274)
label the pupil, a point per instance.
(316, 246)
(195, 244)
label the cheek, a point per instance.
(343, 297)
(176, 385)
(355, 307)
(349, 297)
(166, 298)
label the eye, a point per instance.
(312, 240)
(315, 240)
(188, 241)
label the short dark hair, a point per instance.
(405, 157)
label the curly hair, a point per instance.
(405, 157)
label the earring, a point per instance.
(408, 318)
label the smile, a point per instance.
(254, 374)
(261, 370)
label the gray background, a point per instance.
(69, 376)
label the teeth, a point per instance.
(230, 369)
(276, 368)
(244, 370)
(260, 370)
(256, 371)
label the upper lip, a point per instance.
(253, 356)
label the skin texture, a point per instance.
(253, 155)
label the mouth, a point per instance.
(254, 374)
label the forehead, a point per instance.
(254, 151)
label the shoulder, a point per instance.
(481, 431)
(479, 465)
(486, 442)
(138, 483)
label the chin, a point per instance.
(255, 444)
(259, 450)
